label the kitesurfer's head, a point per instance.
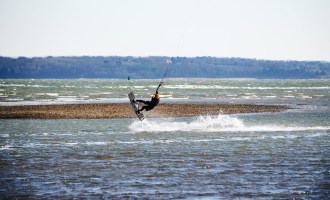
(157, 96)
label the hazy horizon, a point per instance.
(259, 59)
(257, 29)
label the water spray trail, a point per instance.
(220, 123)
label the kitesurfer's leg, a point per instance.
(143, 107)
(147, 108)
(141, 101)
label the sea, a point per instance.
(281, 155)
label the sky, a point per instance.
(260, 29)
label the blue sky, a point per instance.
(262, 29)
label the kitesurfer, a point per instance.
(149, 105)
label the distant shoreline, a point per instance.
(152, 67)
(124, 110)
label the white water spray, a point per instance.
(220, 123)
(202, 123)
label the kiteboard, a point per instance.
(135, 106)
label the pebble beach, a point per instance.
(124, 110)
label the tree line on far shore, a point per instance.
(153, 67)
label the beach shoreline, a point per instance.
(124, 110)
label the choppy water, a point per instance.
(14, 92)
(246, 156)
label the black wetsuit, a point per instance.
(149, 104)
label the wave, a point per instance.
(244, 87)
(220, 123)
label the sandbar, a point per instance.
(124, 110)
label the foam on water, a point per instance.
(220, 123)
(203, 123)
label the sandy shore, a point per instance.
(123, 110)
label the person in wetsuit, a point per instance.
(149, 105)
